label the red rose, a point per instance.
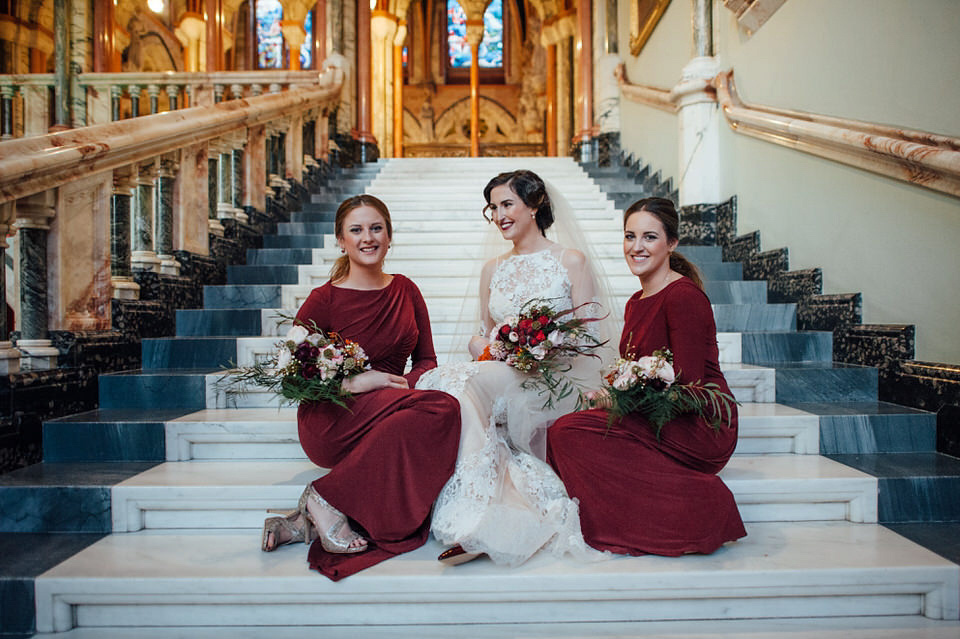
(540, 336)
(544, 320)
(505, 330)
(525, 324)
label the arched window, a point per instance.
(270, 47)
(491, 47)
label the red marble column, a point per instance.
(398, 90)
(213, 10)
(103, 44)
(474, 36)
(551, 100)
(363, 133)
(585, 65)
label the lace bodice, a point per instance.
(520, 278)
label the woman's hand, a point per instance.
(373, 380)
(599, 399)
(476, 346)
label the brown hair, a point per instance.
(665, 211)
(530, 189)
(341, 268)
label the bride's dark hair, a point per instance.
(530, 189)
(665, 211)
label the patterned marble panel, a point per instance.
(791, 286)
(279, 256)
(218, 322)
(140, 318)
(262, 274)
(742, 247)
(188, 352)
(157, 390)
(201, 269)
(233, 296)
(33, 283)
(787, 347)
(608, 148)
(829, 312)
(101, 350)
(827, 382)
(226, 251)
(766, 265)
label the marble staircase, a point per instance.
(163, 490)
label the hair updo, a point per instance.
(341, 268)
(665, 211)
(530, 189)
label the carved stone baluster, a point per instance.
(236, 91)
(236, 183)
(166, 175)
(134, 91)
(218, 90)
(153, 92)
(256, 89)
(116, 92)
(173, 92)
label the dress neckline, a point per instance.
(393, 278)
(669, 284)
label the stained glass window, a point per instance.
(491, 47)
(269, 38)
(306, 49)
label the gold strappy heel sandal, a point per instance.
(329, 539)
(273, 526)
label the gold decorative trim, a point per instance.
(644, 16)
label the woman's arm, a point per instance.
(424, 355)
(477, 342)
(583, 289)
(691, 330)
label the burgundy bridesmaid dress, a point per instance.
(392, 450)
(639, 495)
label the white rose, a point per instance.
(666, 373)
(622, 382)
(539, 351)
(514, 337)
(314, 338)
(555, 338)
(647, 366)
(297, 334)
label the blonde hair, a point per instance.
(341, 268)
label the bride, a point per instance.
(503, 499)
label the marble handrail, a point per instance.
(183, 78)
(35, 164)
(920, 158)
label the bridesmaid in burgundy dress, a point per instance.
(392, 450)
(639, 495)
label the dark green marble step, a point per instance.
(108, 435)
(872, 427)
(155, 389)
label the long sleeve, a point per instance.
(691, 332)
(424, 356)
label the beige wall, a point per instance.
(877, 60)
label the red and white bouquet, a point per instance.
(647, 386)
(541, 342)
(310, 365)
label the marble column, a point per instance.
(173, 92)
(103, 40)
(564, 113)
(80, 41)
(213, 190)
(255, 169)
(363, 134)
(607, 87)
(699, 116)
(116, 93)
(474, 37)
(236, 183)
(144, 255)
(398, 88)
(548, 38)
(163, 229)
(6, 107)
(191, 217)
(383, 27)
(9, 356)
(294, 35)
(33, 223)
(293, 151)
(134, 91)
(214, 42)
(121, 275)
(61, 65)
(225, 210)
(584, 50)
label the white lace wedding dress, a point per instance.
(503, 500)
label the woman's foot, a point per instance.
(334, 532)
(456, 555)
(279, 531)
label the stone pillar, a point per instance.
(236, 182)
(116, 93)
(166, 175)
(213, 190)
(191, 219)
(606, 86)
(398, 88)
(33, 221)
(6, 108)
(225, 210)
(189, 32)
(214, 23)
(548, 39)
(144, 255)
(121, 275)
(383, 28)
(103, 41)
(363, 134)
(9, 356)
(474, 37)
(584, 49)
(294, 35)
(61, 64)
(563, 96)
(255, 170)
(699, 117)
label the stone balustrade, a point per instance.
(120, 204)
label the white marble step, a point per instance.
(898, 627)
(747, 382)
(220, 578)
(235, 494)
(468, 252)
(271, 433)
(439, 237)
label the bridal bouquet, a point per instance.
(310, 365)
(540, 342)
(646, 386)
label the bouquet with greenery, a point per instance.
(540, 342)
(647, 386)
(310, 365)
